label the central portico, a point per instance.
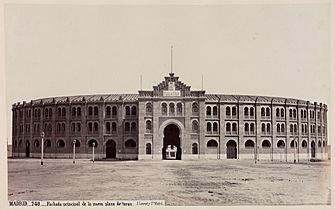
(168, 124)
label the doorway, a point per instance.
(231, 150)
(110, 149)
(313, 149)
(171, 143)
(27, 149)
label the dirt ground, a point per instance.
(179, 183)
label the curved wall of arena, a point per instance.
(131, 126)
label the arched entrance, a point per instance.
(313, 149)
(110, 149)
(27, 149)
(231, 149)
(171, 143)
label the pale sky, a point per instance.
(272, 50)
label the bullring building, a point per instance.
(171, 121)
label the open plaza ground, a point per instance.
(197, 182)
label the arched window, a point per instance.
(50, 112)
(262, 111)
(148, 149)
(195, 126)
(233, 111)
(90, 127)
(96, 111)
(268, 111)
(58, 128)
(277, 112)
(228, 129)
(91, 142)
(302, 113)
(108, 111)
(113, 127)
(148, 126)
(292, 144)
(90, 111)
(133, 127)
(164, 108)
(209, 127)
(281, 144)
(282, 112)
(282, 128)
(319, 143)
(246, 127)
(195, 108)
(73, 127)
(63, 111)
(294, 113)
(266, 144)
(96, 127)
(127, 110)
(215, 127)
(246, 111)
(227, 111)
(171, 108)
(252, 127)
(290, 113)
(291, 128)
(36, 143)
(249, 144)
(194, 149)
(263, 127)
(212, 143)
(295, 128)
(74, 111)
(133, 110)
(251, 111)
(148, 108)
(130, 143)
(215, 110)
(304, 144)
(59, 112)
(268, 128)
(114, 111)
(127, 126)
(208, 111)
(323, 143)
(60, 143)
(78, 126)
(78, 111)
(234, 127)
(63, 127)
(108, 127)
(278, 128)
(179, 108)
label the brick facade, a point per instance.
(132, 126)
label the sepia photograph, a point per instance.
(172, 104)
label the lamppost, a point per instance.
(93, 144)
(255, 154)
(295, 146)
(74, 151)
(42, 147)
